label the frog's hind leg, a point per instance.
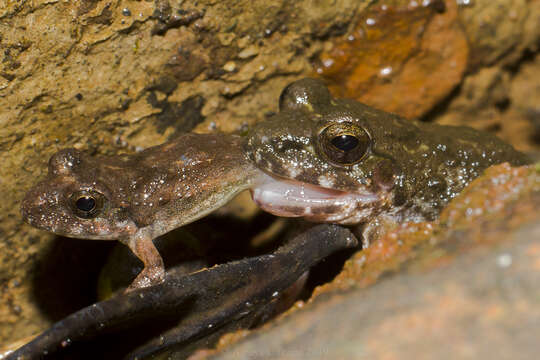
(153, 273)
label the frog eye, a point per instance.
(344, 143)
(86, 203)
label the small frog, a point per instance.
(136, 198)
(340, 161)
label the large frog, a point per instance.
(136, 198)
(340, 161)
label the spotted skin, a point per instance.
(142, 195)
(410, 169)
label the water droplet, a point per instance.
(504, 260)
(385, 71)
(328, 62)
(65, 343)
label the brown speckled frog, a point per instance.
(340, 161)
(136, 198)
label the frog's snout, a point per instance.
(33, 206)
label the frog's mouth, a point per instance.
(290, 198)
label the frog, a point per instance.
(134, 198)
(338, 160)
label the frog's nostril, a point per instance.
(36, 203)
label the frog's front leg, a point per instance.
(142, 245)
(375, 228)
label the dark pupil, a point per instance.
(86, 203)
(345, 142)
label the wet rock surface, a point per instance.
(400, 57)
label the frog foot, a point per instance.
(142, 245)
(149, 276)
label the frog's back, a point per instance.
(471, 145)
(448, 160)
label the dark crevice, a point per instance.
(216, 296)
(442, 106)
(503, 104)
(528, 56)
(66, 277)
(183, 117)
(325, 271)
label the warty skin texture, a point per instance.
(389, 169)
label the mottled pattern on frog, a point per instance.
(136, 198)
(418, 166)
(160, 188)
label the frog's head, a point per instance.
(327, 159)
(73, 201)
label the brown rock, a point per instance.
(399, 58)
(108, 77)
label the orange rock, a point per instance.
(402, 59)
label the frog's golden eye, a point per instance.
(86, 204)
(344, 143)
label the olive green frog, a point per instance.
(340, 161)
